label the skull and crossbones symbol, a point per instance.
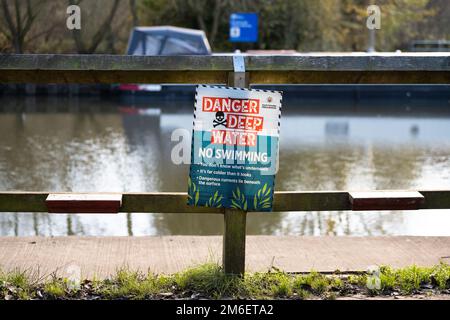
(220, 119)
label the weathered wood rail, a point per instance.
(380, 68)
(406, 68)
(175, 202)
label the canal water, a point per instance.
(96, 144)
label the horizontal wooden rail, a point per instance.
(83, 202)
(379, 68)
(163, 202)
(391, 200)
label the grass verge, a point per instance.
(208, 281)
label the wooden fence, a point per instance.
(388, 68)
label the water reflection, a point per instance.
(89, 144)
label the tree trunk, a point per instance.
(97, 38)
(134, 13)
(216, 20)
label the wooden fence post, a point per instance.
(235, 220)
(234, 241)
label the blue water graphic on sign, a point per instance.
(244, 27)
(232, 177)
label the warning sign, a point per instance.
(234, 155)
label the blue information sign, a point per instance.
(244, 27)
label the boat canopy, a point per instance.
(167, 40)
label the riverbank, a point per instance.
(209, 282)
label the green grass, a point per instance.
(315, 282)
(54, 289)
(209, 281)
(15, 284)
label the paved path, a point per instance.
(102, 256)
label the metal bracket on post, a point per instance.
(238, 63)
(233, 257)
(238, 78)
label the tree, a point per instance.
(437, 26)
(204, 14)
(18, 18)
(400, 23)
(134, 14)
(304, 25)
(103, 31)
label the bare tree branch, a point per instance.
(18, 18)
(76, 34)
(31, 16)
(216, 19)
(102, 32)
(24, 16)
(134, 14)
(197, 6)
(8, 18)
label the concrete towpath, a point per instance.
(102, 256)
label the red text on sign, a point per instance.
(241, 122)
(216, 104)
(238, 138)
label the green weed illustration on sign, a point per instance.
(239, 200)
(193, 193)
(262, 199)
(215, 201)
